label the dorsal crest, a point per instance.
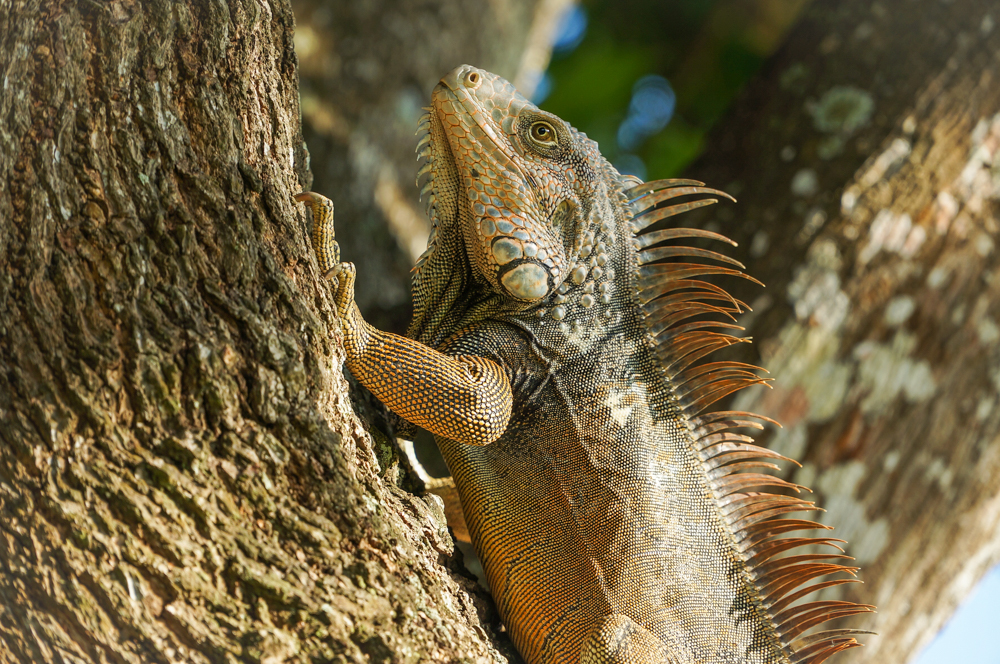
(675, 300)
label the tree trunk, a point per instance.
(182, 478)
(865, 158)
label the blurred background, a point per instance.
(648, 90)
(861, 139)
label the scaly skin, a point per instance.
(615, 523)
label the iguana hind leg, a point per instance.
(620, 640)
(464, 398)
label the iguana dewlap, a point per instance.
(556, 352)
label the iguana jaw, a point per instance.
(507, 226)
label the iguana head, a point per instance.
(520, 183)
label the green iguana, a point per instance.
(555, 352)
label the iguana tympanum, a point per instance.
(556, 354)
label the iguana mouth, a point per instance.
(455, 88)
(439, 191)
(511, 239)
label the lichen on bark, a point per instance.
(879, 322)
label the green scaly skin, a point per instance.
(554, 355)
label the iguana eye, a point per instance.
(543, 133)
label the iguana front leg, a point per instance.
(464, 398)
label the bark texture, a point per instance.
(866, 158)
(182, 478)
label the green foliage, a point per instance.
(594, 84)
(706, 49)
(672, 149)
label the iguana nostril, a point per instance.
(527, 281)
(472, 80)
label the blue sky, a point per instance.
(973, 634)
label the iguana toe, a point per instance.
(323, 236)
(346, 274)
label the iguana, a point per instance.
(556, 352)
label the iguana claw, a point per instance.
(328, 251)
(345, 274)
(323, 236)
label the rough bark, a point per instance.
(182, 478)
(866, 158)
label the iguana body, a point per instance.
(557, 361)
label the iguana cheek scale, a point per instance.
(557, 353)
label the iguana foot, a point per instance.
(323, 236)
(328, 256)
(621, 640)
(346, 275)
(444, 488)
